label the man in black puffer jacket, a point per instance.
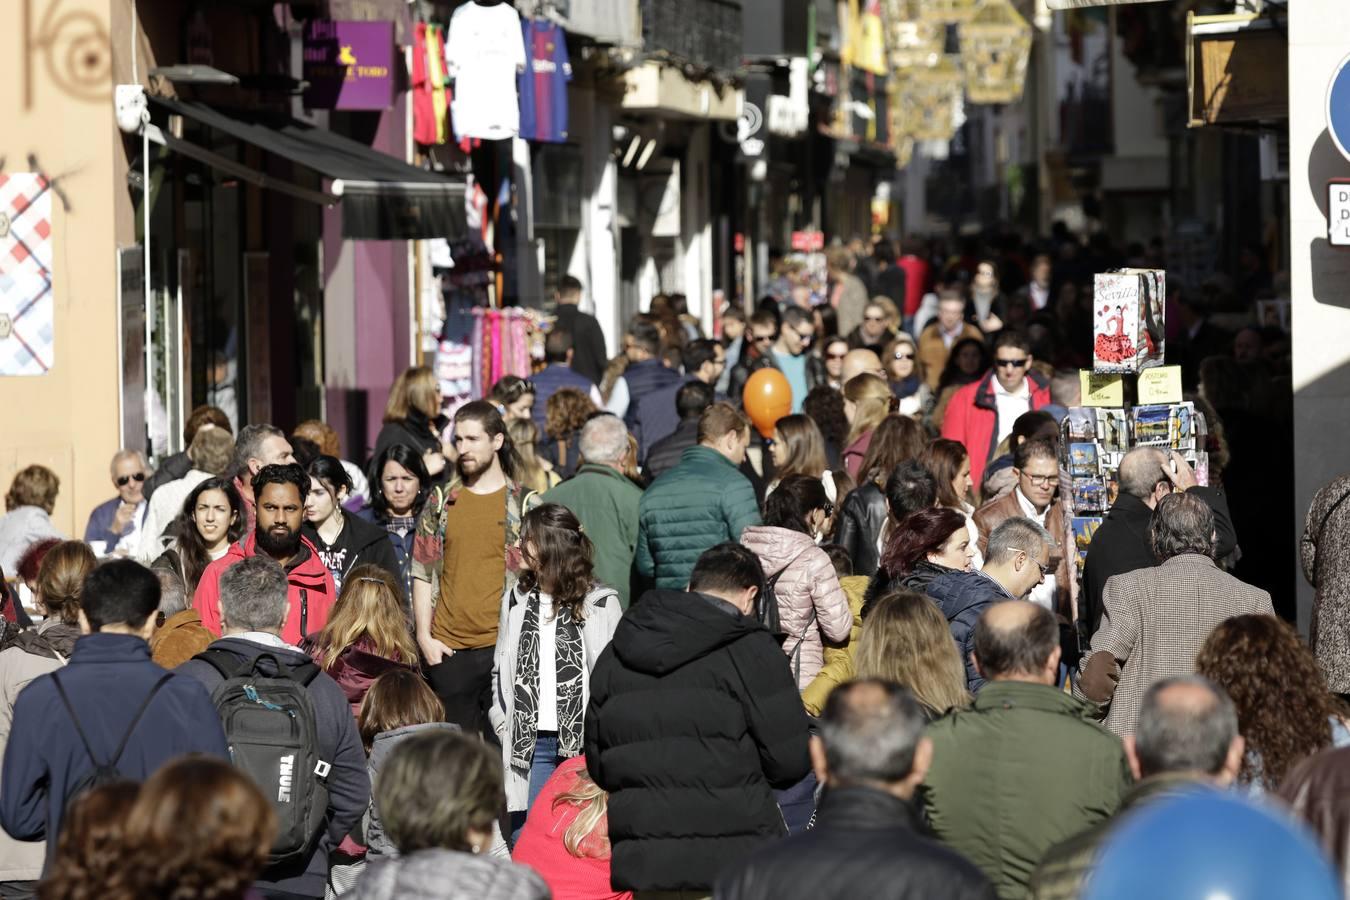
(867, 840)
(694, 719)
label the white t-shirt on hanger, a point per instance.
(484, 51)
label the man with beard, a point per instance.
(280, 491)
(465, 554)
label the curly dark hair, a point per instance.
(207, 827)
(826, 406)
(1283, 705)
(90, 851)
(565, 567)
(566, 411)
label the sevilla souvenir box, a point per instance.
(1128, 320)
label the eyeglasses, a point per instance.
(127, 479)
(763, 338)
(1043, 569)
(899, 355)
(828, 509)
(1040, 480)
(874, 318)
(806, 337)
(836, 355)
(1012, 363)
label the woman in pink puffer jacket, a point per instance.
(810, 602)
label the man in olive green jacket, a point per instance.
(1186, 737)
(1025, 767)
(605, 501)
(702, 502)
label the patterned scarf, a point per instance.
(571, 670)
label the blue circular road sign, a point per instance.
(1338, 107)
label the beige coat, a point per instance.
(22, 860)
(808, 583)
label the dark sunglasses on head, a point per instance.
(1012, 363)
(127, 479)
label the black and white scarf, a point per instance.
(569, 654)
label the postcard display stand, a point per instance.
(1127, 339)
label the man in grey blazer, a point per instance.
(1155, 620)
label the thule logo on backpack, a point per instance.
(284, 779)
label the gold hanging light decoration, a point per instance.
(930, 98)
(946, 12)
(910, 42)
(995, 47)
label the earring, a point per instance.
(476, 847)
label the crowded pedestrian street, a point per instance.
(675, 450)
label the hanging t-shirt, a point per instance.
(484, 52)
(543, 84)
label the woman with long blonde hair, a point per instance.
(532, 470)
(905, 639)
(867, 400)
(366, 635)
(412, 417)
(566, 837)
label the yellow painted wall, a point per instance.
(56, 76)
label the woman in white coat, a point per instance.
(554, 623)
(812, 606)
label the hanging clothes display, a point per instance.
(505, 342)
(484, 52)
(543, 84)
(429, 94)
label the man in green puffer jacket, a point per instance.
(702, 502)
(1024, 767)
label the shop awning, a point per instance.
(383, 198)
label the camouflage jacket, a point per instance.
(428, 552)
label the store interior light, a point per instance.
(632, 151)
(646, 154)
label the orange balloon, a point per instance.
(767, 398)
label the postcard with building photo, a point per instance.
(1084, 529)
(1082, 424)
(1089, 495)
(1152, 426)
(1181, 426)
(1113, 430)
(1083, 460)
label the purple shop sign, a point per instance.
(349, 65)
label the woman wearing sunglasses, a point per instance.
(905, 373)
(812, 606)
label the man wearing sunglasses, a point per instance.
(981, 415)
(114, 527)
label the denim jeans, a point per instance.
(542, 765)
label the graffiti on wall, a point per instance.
(70, 46)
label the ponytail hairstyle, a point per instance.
(488, 416)
(793, 500)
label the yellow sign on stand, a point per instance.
(1101, 390)
(1160, 386)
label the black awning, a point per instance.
(383, 198)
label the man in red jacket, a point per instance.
(981, 414)
(280, 491)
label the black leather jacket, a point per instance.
(861, 518)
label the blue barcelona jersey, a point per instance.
(543, 84)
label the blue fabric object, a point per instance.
(548, 382)
(542, 766)
(644, 378)
(99, 527)
(794, 369)
(107, 679)
(963, 597)
(1206, 844)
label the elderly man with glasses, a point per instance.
(115, 526)
(981, 414)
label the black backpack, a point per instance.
(103, 772)
(271, 728)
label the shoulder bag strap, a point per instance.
(65, 700)
(136, 719)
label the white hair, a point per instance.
(604, 439)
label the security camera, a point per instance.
(131, 107)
